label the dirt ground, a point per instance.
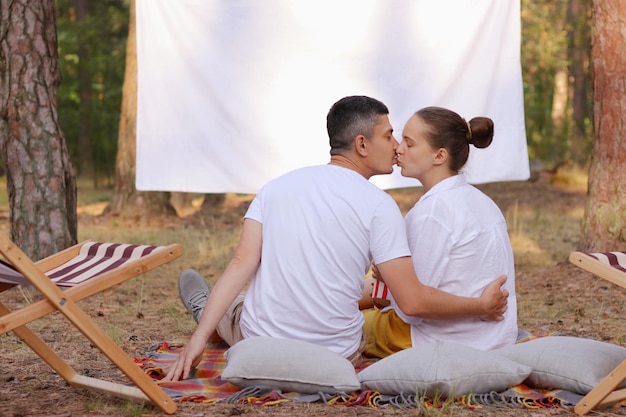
(554, 297)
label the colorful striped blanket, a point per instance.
(206, 385)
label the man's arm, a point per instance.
(417, 299)
(241, 268)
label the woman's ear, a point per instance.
(441, 157)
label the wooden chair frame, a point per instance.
(610, 266)
(64, 301)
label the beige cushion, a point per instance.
(570, 363)
(288, 366)
(442, 369)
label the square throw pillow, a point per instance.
(289, 366)
(570, 363)
(443, 369)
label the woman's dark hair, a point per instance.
(352, 116)
(446, 129)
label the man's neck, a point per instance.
(345, 162)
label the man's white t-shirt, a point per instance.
(460, 244)
(321, 227)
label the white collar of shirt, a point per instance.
(449, 183)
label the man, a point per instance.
(307, 241)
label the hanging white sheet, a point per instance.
(232, 93)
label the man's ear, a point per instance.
(441, 157)
(360, 145)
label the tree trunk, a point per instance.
(604, 222)
(40, 180)
(126, 199)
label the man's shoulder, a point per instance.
(320, 173)
(329, 177)
(302, 171)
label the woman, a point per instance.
(457, 235)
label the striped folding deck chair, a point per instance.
(67, 277)
(610, 266)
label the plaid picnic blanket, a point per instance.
(206, 385)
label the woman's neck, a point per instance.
(435, 178)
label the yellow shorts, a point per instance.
(385, 333)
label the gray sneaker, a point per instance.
(194, 291)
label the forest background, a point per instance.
(555, 53)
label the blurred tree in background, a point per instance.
(127, 200)
(604, 223)
(92, 48)
(558, 99)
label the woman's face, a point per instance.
(415, 155)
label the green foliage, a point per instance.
(102, 35)
(551, 38)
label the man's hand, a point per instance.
(188, 359)
(494, 299)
